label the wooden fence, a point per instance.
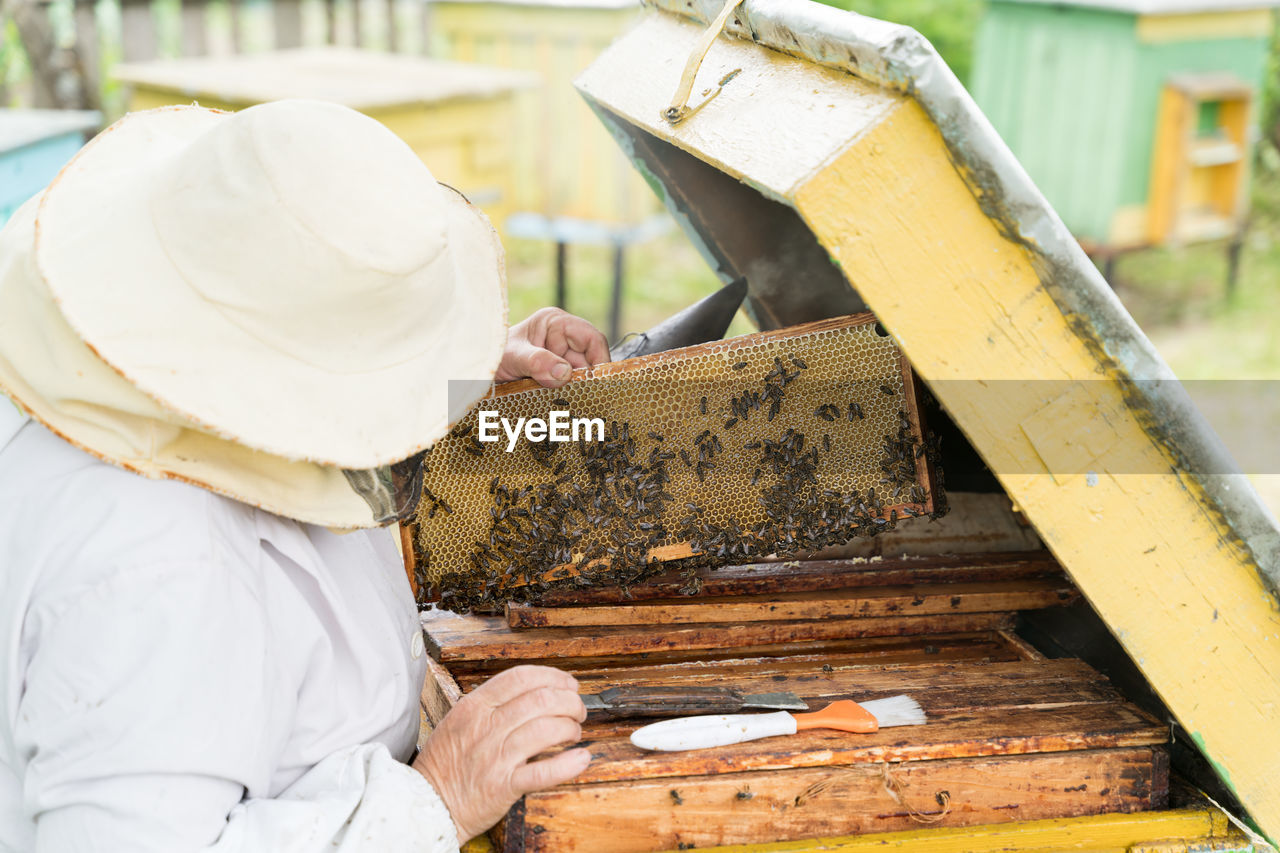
(70, 45)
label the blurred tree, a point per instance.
(948, 24)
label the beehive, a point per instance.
(776, 442)
(842, 154)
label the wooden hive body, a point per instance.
(1012, 735)
(841, 155)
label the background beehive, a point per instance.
(702, 462)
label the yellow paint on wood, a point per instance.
(1110, 833)
(1191, 199)
(1199, 26)
(467, 143)
(566, 163)
(1230, 181)
(1147, 549)
(1168, 165)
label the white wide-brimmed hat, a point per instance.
(290, 276)
(289, 279)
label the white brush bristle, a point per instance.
(896, 711)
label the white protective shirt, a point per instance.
(179, 671)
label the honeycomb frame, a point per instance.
(685, 475)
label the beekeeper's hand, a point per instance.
(547, 345)
(477, 759)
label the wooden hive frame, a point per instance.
(470, 490)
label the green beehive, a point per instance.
(1134, 117)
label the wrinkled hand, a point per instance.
(547, 345)
(477, 759)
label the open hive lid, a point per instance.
(837, 163)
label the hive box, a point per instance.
(835, 163)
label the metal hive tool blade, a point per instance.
(705, 320)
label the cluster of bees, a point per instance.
(605, 506)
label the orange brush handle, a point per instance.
(845, 715)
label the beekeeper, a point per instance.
(264, 314)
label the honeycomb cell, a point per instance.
(772, 443)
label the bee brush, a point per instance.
(723, 729)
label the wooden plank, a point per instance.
(1026, 650)
(811, 575)
(789, 804)
(1168, 165)
(393, 30)
(452, 637)
(1104, 833)
(137, 30)
(88, 48)
(237, 11)
(439, 692)
(940, 689)
(1002, 731)
(1201, 828)
(698, 664)
(286, 18)
(918, 600)
(330, 22)
(359, 26)
(194, 28)
(1161, 830)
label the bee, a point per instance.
(886, 390)
(676, 799)
(799, 362)
(745, 793)
(702, 405)
(655, 436)
(560, 401)
(740, 365)
(732, 422)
